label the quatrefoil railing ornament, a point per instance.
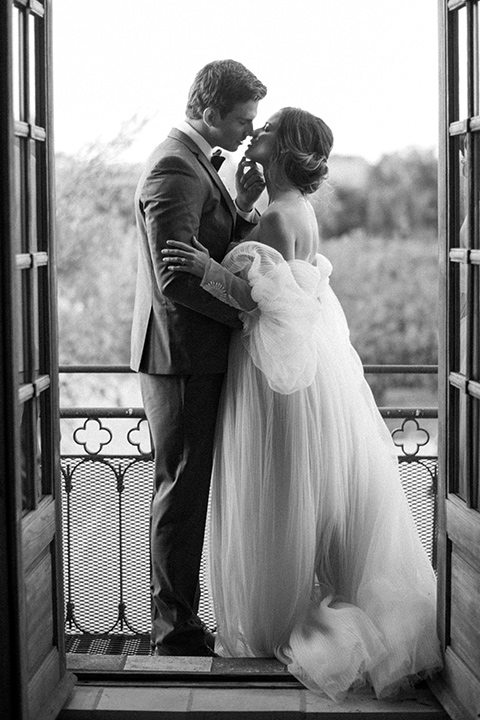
(410, 435)
(92, 444)
(139, 437)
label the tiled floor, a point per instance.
(154, 688)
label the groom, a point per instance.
(180, 334)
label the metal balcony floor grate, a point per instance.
(99, 644)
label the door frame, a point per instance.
(458, 687)
(33, 678)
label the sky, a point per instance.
(367, 67)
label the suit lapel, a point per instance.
(218, 182)
(203, 160)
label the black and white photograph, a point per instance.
(240, 359)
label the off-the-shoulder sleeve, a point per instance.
(227, 287)
(280, 335)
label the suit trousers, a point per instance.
(181, 411)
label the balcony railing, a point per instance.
(107, 474)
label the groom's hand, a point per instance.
(249, 183)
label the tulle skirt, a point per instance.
(315, 558)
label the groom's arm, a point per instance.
(173, 201)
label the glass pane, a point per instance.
(462, 365)
(36, 53)
(27, 460)
(462, 64)
(24, 459)
(46, 477)
(475, 310)
(34, 329)
(462, 437)
(38, 451)
(43, 320)
(41, 197)
(464, 172)
(20, 226)
(16, 62)
(32, 70)
(21, 328)
(461, 425)
(461, 444)
(33, 196)
(475, 430)
(31, 454)
(476, 12)
(28, 322)
(458, 200)
(475, 139)
(475, 450)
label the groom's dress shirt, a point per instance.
(198, 139)
(250, 216)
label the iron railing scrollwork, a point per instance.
(107, 473)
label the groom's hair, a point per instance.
(222, 84)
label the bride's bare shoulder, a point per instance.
(275, 230)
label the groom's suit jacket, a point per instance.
(178, 328)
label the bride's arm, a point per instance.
(216, 280)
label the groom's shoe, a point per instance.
(199, 651)
(209, 636)
(192, 639)
(210, 640)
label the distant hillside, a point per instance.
(396, 196)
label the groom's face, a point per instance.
(231, 130)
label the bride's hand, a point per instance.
(182, 257)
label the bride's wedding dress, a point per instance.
(315, 556)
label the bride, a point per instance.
(315, 556)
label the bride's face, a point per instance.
(263, 141)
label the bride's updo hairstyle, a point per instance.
(303, 144)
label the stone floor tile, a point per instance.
(144, 699)
(87, 661)
(363, 701)
(83, 698)
(162, 664)
(245, 699)
(260, 666)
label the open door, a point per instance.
(459, 437)
(33, 680)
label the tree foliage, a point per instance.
(378, 220)
(395, 197)
(389, 292)
(96, 259)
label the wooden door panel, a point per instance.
(48, 688)
(463, 527)
(459, 468)
(30, 563)
(39, 611)
(38, 529)
(465, 610)
(459, 689)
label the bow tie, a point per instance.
(217, 160)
